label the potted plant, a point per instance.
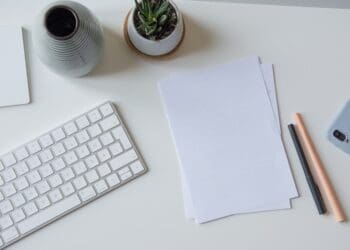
(154, 27)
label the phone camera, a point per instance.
(339, 135)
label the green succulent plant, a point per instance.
(155, 18)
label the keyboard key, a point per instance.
(91, 161)
(123, 159)
(9, 234)
(70, 128)
(119, 134)
(46, 156)
(87, 193)
(82, 122)
(70, 143)
(48, 214)
(5, 207)
(42, 202)
(116, 148)
(58, 164)
(94, 130)
(82, 151)
(5, 222)
(103, 155)
(58, 134)
(112, 180)
(103, 170)
(136, 167)
(100, 186)
(18, 215)
(18, 200)
(33, 147)
(30, 193)
(46, 141)
(55, 195)
(79, 182)
(43, 187)
(67, 189)
(109, 122)
(106, 139)
(8, 174)
(67, 174)
(125, 176)
(34, 162)
(70, 158)
(21, 168)
(21, 153)
(55, 181)
(58, 149)
(106, 109)
(33, 177)
(8, 160)
(94, 116)
(94, 145)
(91, 176)
(30, 208)
(82, 136)
(79, 168)
(8, 190)
(45, 170)
(21, 183)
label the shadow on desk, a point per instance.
(117, 55)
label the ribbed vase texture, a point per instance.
(75, 54)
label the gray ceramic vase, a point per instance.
(68, 38)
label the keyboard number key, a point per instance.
(58, 134)
(46, 141)
(33, 147)
(70, 128)
(21, 153)
(106, 109)
(82, 122)
(8, 160)
(94, 116)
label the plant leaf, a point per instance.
(162, 9)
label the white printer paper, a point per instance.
(220, 118)
(13, 74)
(268, 74)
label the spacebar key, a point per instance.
(48, 214)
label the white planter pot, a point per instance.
(158, 47)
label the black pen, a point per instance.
(315, 191)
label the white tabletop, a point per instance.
(310, 49)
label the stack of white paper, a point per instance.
(225, 125)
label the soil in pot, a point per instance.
(166, 29)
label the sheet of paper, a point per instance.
(216, 130)
(13, 73)
(268, 74)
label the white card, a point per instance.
(219, 119)
(13, 73)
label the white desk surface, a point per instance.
(311, 50)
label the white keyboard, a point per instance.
(63, 170)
